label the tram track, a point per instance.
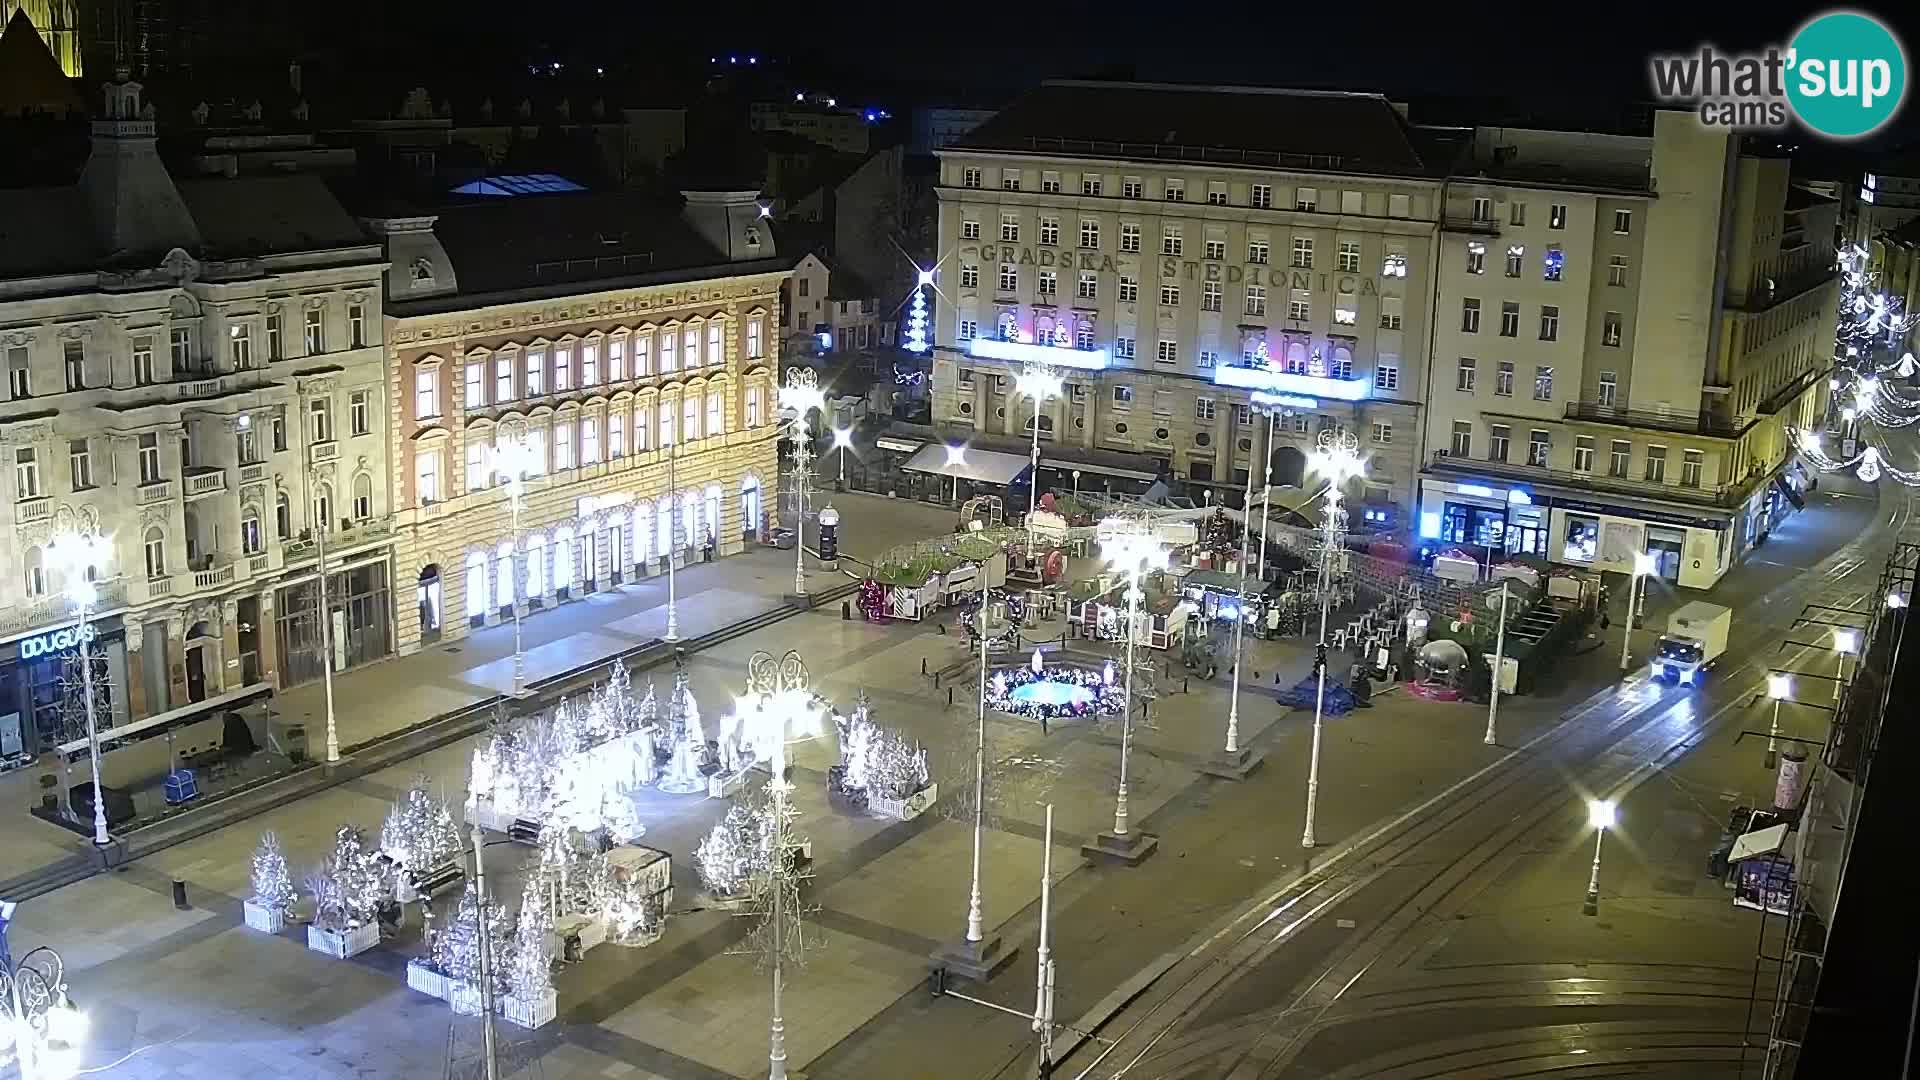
(1523, 792)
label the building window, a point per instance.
(154, 546)
(1129, 237)
(1049, 284)
(1050, 231)
(1216, 194)
(536, 379)
(316, 335)
(1208, 359)
(1210, 293)
(1009, 180)
(1256, 300)
(1610, 329)
(1619, 457)
(1516, 257)
(1349, 256)
(969, 277)
(503, 380)
(1509, 319)
(1088, 287)
(1656, 464)
(1260, 196)
(1050, 183)
(426, 394)
(1583, 453)
(590, 358)
(1482, 209)
(1462, 439)
(1009, 278)
(1089, 233)
(1386, 376)
(276, 338)
(1306, 199)
(1498, 436)
(1175, 190)
(143, 360)
(1170, 240)
(1203, 408)
(1617, 270)
(250, 539)
(19, 373)
(1539, 448)
(80, 463)
(280, 429)
(1516, 213)
(690, 416)
(1167, 352)
(1169, 295)
(1557, 216)
(1089, 185)
(148, 454)
(1257, 251)
(1390, 312)
(1299, 305)
(426, 478)
(1622, 222)
(1346, 308)
(1553, 264)
(240, 347)
(969, 329)
(1303, 252)
(1083, 337)
(357, 325)
(617, 352)
(475, 384)
(1476, 257)
(180, 349)
(562, 445)
(1543, 382)
(970, 178)
(1382, 432)
(1123, 348)
(1469, 316)
(1122, 397)
(1133, 188)
(477, 478)
(26, 475)
(969, 230)
(1129, 289)
(1608, 385)
(756, 333)
(1691, 465)
(643, 420)
(1009, 228)
(589, 441)
(1393, 264)
(362, 497)
(360, 412)
(1503, 379)
(320, 419)
(1467, 375)
(563, 361)
(1549, 323)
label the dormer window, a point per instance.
(423, 271)
(753, 236)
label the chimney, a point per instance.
(734, 222)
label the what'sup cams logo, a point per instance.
(1843, 76)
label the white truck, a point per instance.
(1696, 637)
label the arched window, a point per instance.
(322, 505)
(363, 497)
(476, 584)
(156, 553)
(36, 572)
(712, 515)
(1296, 362)
(503, 576)
(749, 506)
(282, 516)
(563, 558)
(643, 539)
(536, 566)
(250, 539)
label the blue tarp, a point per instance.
(1339, 700)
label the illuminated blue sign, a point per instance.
(1480, 491)
(1023, 352)
(56, 641)
(1285, 382)
(1283, 401)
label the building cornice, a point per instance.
(1198, 167)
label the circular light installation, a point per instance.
(1053, 691)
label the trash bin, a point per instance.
(297, 743)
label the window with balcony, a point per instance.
(1256, 300)
(1210, 293)
(1498, 436)
(26, 475)
(1129, 237)
(147, 452)
(1539, 448)
(360, 412)
(1543, 382)
(1089, 233)
(1467, 375)
(1476, 258)
(1462, 445)
(426, 394)
(316, 331)
(1170, 240)
(1303, 252)
(1692, 464)
(1503, 380)
(1050, 231)
(319, 420)
(1469, 316)
(1549, 323)
(1583, 453)
(1619, 458)
(1609, 386)
(1610, 329)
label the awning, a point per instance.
(1103, 470)
(979, 466)
(1759, 842)
(152, 726)
(904, 446)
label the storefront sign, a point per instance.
(56, 641)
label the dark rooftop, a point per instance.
(262, 215)
(1297, 129)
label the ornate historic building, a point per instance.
(58, 23)
(628, 348)
(194, 369)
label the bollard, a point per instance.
(923, 665)
(949, 697)
(846, 611)
(179, 894)
(936, 680)
(1186, 685)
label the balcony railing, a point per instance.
(1467, 223)
(213, 577)
(1723, 427)
(324, 451)
(28, 511)
(205, 481)
(252, 473)
(1720, 495)
(259, 564)
(155, 491)
(51, 610)
(160, 586)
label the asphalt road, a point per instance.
(1354, 968)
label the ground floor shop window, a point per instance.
(360, 605)
(1582, 541)
(1463, 523)
(1527, 532)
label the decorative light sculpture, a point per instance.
(1337, 460)
(78, 558)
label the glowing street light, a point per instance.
(1779, 688)
(1132, 549)
(802, 395)
(1337, 460)
(1036, 381)
(956, 455)
(843, 441)
(1846, 642)
(1643, 565)
(1600, 814)
(515, 458)
(78, 557)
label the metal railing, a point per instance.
(1716, 495)
(1691, 423)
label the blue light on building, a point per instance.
(1286, 382)
(1021, 352)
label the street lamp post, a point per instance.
(1499, 668)
(44, 1026)
(843, 441)
(1076, 485)
(1266, 487)
(673, 541)
(1845, 643)
(1779, 688)
(1132, 548)
(1338, 459)
(802, 394)
(1234, 763)
(1643, 565)
(515, 458)
(483, 938)
(1038, 382)
(1600, 813)
(77, 556)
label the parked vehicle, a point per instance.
(1696, 637)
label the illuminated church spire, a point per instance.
(58, 23)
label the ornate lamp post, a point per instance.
(42, 1024)
(1600, 814)
(802, 394)
(1133, 549)
(77, 557)
(1234, 763)
(673, 542)
(1643, 564)
(1036, 381)
(843, 441)
(1338, 460)
(515, 458)
(779, 703)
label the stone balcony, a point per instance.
(201, 481)
(54, 609)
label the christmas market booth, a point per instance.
(915, 580)
(1097, 609)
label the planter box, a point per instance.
(905, 809)
(428, 981)
(725, 785)
(589, 932)
(344, 943)
(268, 920)
(534, 1013)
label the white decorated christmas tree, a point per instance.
(455, 949)
(735, 855)
(272, 884)
(529, 967)
(686, 741)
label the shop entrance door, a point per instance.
(196, 673)
(1666, 545)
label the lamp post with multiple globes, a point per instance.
(1336, 459)
(514, 458)
(1133, 549)
(801, 395)
(1038, 382)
